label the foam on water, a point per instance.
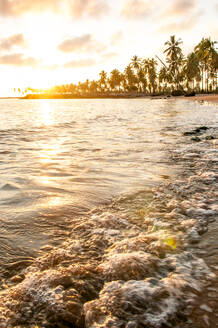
(119, 271)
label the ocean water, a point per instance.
(61, 159)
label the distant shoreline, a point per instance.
(9, 98)
(198, 97)
(106, 96)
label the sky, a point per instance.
(50, 42)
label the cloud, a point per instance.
(77, 8)
(92, 8)
(53, 67)
(11, 41)
(19, 7)
(109, 55)
(84, 43)
(180, 7)
(116, 37)
(179, 26)
(136, 9)
(18, 59)
(80, 63)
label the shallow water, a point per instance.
(132, 262)
(61, 158)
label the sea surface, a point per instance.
(60, 159)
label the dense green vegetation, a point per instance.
(197, 72)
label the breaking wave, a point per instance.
(119, 269)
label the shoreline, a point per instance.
(201, 98)
(210, 98)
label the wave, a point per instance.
(124, 268)
(9, 186)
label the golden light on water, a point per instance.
(49, 152)
(55, 201)
(47, 113)
(44, 179)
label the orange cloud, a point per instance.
(19, 7)
(92, 8)
(109, 55)
(18, 60)
(179, 26)
(136, 9)
(82, 43)
(11, 41)
(116, 37)
(80, 63)
(77, 8)
(180, 7)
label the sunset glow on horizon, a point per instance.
(49, 42)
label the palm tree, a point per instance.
(123, 82)
(173, 50)
(103, 79)
(115, 79)
(152, 74)
(163, 77)
(142, 82)
(214, 68)
(149, 66)
(135, 62)
(174, 57)
(192, 69)
(206, 54)
(130, 78)
(93, 88)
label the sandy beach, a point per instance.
(205, 98)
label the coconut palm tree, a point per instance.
(103, 80)
(135, 62)
(214, 68)
(149, 67)
(174, 57)
(130, 78)
(142, 82)
(115, 79)
(93, 88)
(206, 53)
(191, 69)
(152, 74)
(163, 78)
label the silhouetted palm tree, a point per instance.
(115, 79)
(102, 81)
(135, 63)
(130, 78)
(206, 54)
(192, 69)
(174, 57)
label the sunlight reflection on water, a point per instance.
(47, 113)
(61, 158)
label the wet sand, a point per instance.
(204, 98)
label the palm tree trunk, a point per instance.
(202, 79)
(207, 78)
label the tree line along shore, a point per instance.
(178, 75)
